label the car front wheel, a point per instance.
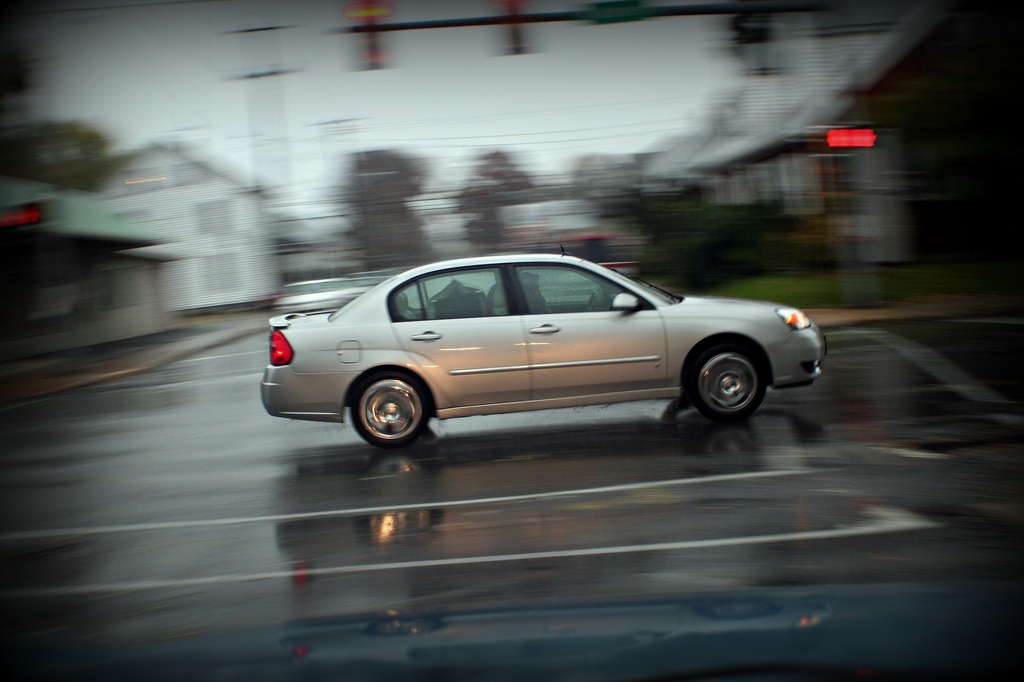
(724, 383)
(390, 409)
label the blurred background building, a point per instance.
(72, 272)
(213, 231)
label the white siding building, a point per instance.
(213, 230)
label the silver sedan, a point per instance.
(502, 334)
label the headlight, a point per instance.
(796, 319)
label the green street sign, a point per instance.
(616, 11)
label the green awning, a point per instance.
(71, 213)
(77, 214)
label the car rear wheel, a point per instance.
(390, 409)
(725, 384)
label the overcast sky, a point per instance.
(159, 71)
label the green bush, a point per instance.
(699, 247)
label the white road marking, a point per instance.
(362, 511)
(216, 378)
(935, 365)
(225, 355)
(916, 454)
(26, 403)
(880, 520)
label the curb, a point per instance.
(968, 307)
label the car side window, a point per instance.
(451, 295)
(561, 289)
(406, 304)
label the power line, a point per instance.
(419, 123)
(99, 8)
(663, 131)
(548, 132)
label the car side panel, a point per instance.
(594, 352)
(329, 357)
(468, 361)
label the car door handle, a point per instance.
(546, 329)
(426, 336)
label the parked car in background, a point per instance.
(327, 294)
(497, 334)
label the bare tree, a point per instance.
(496, 182)
(379, 191)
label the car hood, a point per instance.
(922, 631)
(739, 310)
(729, 303)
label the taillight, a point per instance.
(281, 352)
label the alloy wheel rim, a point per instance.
(728, 382)
(390, 409)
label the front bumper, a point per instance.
(799, 359)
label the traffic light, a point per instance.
(369, 12)
(513, 19)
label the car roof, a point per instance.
(495, 259)
(327, 280)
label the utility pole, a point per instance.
(267, 113)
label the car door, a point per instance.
(577, 345)
(457, 328)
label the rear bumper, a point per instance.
(309, 397)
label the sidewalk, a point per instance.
(53, 373)
(45, 375)
(948, 306)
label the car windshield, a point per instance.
(655, 290)
(341, 339)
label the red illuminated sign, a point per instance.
(851, 137)
(22, 215)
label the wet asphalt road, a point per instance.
(170, 504)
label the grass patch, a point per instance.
(894, 283)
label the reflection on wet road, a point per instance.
(170, 503)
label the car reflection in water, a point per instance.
(405, 519)
(312, 543)
(398, 526)
(573, 433)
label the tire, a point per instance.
(725, 383)
(390, 409)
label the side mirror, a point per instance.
(626, 303)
